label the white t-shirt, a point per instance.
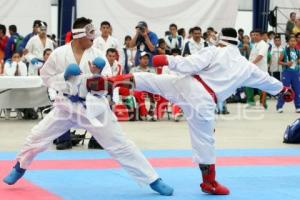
(260, 48)
(275, 53)
(11, 67)
(103, 45)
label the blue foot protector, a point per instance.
(16, 173)
(162, 188)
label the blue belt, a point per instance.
(75, 98)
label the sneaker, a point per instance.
(64, 145)
(153, 118)
(143, 118)
(214, 188)
(162, 188)
(280, 110)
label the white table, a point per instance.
(23, 92)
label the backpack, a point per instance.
(292, 133)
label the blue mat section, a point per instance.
(246, 183)
(94, 154)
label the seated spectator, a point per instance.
(290, 60)
(3, 41)
(13, 43)
(290, 24)
(14, 66)
(195, 44)
(144, 40)
(275, 67)
(245, 46)
(35, 49)
(105, 40)
(113, 64)
(174, 40)
(140, 96)
(127, 56)
(162, 47)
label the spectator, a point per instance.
(162, 47)
(105, 40)
(252, 38)
(298, 41)
(140, 96)
(3, 41)
(290, 60)
(190, 35)
(275, 67)
(271, 35)
(127, 55)
(13, 43)
(144, 40)
(14, 66)
(111, 56)
(35, 49)
(245, 46)
(174, 40)
(35, 31)
(241, 34)
(182, 33)
(195, 44)
(258, 56)
(296, 28)
(290, 24)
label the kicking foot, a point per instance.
(214, 188)
(162, 188)
(15, 174)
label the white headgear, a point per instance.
(221, 39)
(87, 31)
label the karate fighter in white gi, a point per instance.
(69, 66)
(211, 75)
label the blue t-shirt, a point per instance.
(294, 57)
(141, 46)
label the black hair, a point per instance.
(292, 13)
(230, 32)
(197, 28)
(173, 25)
(111, 50)
(259, 31)
(241, 30)
(81, 22)
(127, 37)
(12, 28)
(277, 37)
(181, 31)
(191, 30)
(167, 33)
(160, 41)
(3, 29)
(210, 29)
(46, 50)
(271, 33)
(290, 37)
(36, 22)
(105, 23)
(297, 34)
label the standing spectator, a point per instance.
(140, 96)
(290, 24)
(35, 49)
(275, 67)
(195, 44)
(13, 43)
(182, 33)
(271, 36)
(252, 38)
(290, 60)
(245, 46)
(174, 41)
(127, 55)
(298, 41)
(3, 41)
(258, 56)
(35, 31)
(241, 34)
(296, 28)
(144, 40)
(105, 40)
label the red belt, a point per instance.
(207, 88)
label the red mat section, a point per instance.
(160, 162)
(23, 190)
